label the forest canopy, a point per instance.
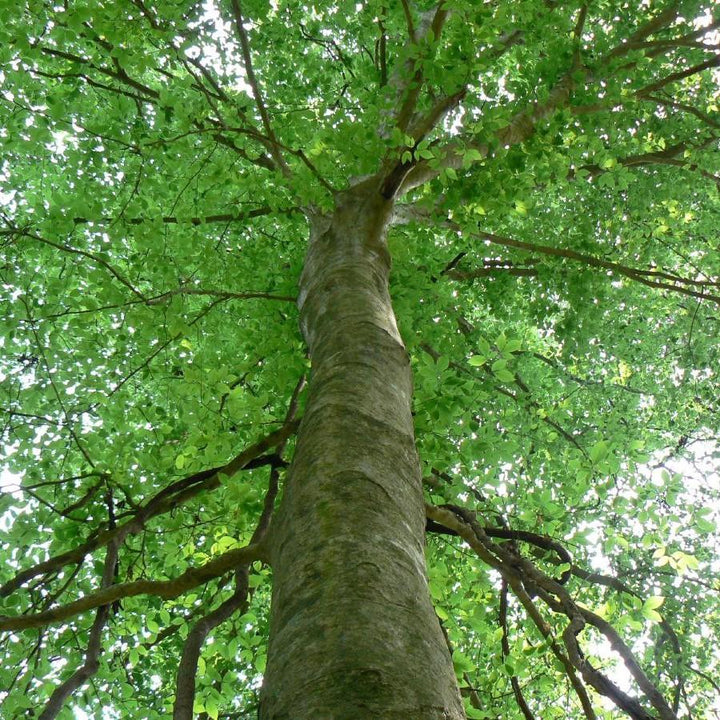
(547, 178)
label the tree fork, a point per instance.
(353, 632)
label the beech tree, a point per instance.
(251, 470)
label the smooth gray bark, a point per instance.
(353, 632)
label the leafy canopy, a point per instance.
(555, 277)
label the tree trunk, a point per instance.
(353, 632)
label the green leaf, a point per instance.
(598, 451)
(654, 602)
(704, 525)
(475, 714)
(471, 155)
(651, 615)
(505, 376)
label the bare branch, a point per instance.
(524, 123)
(415, 85)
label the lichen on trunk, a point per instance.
(353, 632)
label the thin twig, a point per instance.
(165, 297)
(252, 81)
(18, 232)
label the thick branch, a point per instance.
(187, 670)
(415, 83)
(473, 536)
(170, 497)
(409, 21)
(505, 644)
(165, 589)
(651, 278)
(422, 127)
(92, 654)
(521, 127)
(524, 577)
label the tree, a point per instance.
(177, 179)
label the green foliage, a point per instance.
(566, 381)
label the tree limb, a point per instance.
(660, 21)
(165, 589)
(505, 645)
(94, 647)
(184, 290)
(712, 62)
(171, 496)
(651, 278)
(187, 669)
(22, 232)
(473, 536)
(523, 576)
